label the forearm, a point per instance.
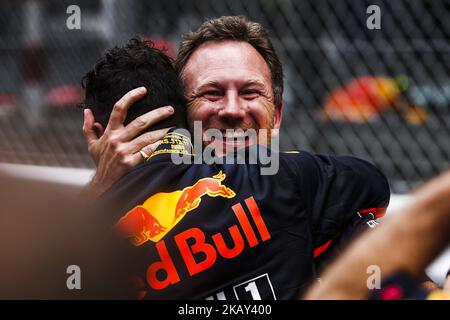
(408, 241)
(94, 189)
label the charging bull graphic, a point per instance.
(162, 211)
(140, 225)
(192, 196)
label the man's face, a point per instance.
(228, 86)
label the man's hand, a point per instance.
(406, 242)
(116, 148)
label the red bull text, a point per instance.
(210, 248)
(152, 220)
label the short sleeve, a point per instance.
(335, 188)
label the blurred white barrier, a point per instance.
(79, 177)
(70, 176)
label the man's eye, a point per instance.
(212, 94)
(250, 94)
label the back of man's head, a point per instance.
(137, 64)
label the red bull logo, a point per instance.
(140, 226)
(200, 251)
(192, 196)
(153, 219)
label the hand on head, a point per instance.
(116, 148)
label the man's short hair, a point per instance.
(236, 28)
(137, 64)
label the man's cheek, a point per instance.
(264, 113)
(193, 108)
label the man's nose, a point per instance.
(233, 108)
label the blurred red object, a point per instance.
(65, 95)
(364, 98)
(166, 46)
(8, 103)
(8, 100)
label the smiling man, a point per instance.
(228, 86)
(233, 80)
(225, 231)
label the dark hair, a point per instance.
(137, 64)
(234, 28)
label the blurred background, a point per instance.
(379, 94)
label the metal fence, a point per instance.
(380, 94)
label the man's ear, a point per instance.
(278, 116)
(99, 130)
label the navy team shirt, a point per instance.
(226, 232)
